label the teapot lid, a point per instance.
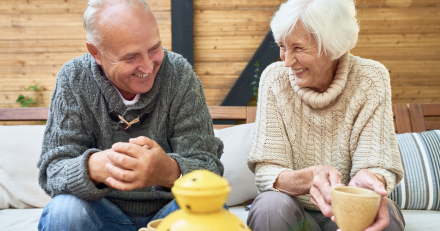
(201, 180)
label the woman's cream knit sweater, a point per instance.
(349, 126)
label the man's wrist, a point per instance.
(175, 173)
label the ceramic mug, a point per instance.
(152, 226)
(354, 208)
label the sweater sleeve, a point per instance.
(376, 148)
(193, 143)
(67, 146)
(271, 153)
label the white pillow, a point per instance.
(238, 141)
(20, 148)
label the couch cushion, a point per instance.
(20, 219)
(419, 189)
(237, 145)
(20, 149)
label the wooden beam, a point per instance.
(403, 123)
(241, 93)
(417, 117)
(182, 28)
(24, 114)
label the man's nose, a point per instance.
(147, 65)
(289, 59)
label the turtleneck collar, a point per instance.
(321, 99)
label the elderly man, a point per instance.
(126, 120)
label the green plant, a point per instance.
(256, 81)
(25, 101)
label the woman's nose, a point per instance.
(289, 59)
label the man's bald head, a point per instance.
(97, 14)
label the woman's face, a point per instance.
(299, 51)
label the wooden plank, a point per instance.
(45, 84)
(417, 118)
(399, 27)
(228, 42)
(52, 33)
(237, 4)
(227, 113)
(431, 110)
(28, 70)
(221, 126)
(432, 125)
(63, 6)
(217, 82)
(43, 46)
(251, 114)
(399, 40)
(53, 46)
(398, 14)
(429, 99)
(401, 53)
(37, 59)
(63, 20)
(367, 27)
(231, 16)
(403, 123)
(219, 68)
(8, 98)
(20, 114)
(230, 55)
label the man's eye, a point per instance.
(130, 58)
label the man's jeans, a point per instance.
(68, 212)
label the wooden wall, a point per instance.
(402, 34)
(38, 36)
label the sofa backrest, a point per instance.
(424, 117)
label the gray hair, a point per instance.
(332, 23)
(89, 17)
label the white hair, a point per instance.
(332, 23)
(89, 17)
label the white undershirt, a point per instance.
(127, 103)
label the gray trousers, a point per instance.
(276, 211)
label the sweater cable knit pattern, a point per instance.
(79, 125)
(349, 126)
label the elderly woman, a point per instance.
(324, 119)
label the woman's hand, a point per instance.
(367, 179)
(325, 177)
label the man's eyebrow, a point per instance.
(158, 44)
(128, 55)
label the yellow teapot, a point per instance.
(201, 196)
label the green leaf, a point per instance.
(20, 98)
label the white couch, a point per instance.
(22, 200)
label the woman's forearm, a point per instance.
(295, 182)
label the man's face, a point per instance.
(131, 50)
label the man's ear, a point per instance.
(94, 52)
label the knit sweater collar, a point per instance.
(114, 102)
(321, 99)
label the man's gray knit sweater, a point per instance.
(79, 125)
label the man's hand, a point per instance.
(140, 163)
(96, 166)
(367, 179)
(325, 177)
